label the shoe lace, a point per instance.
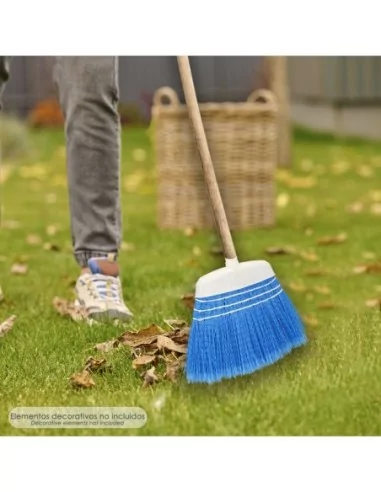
(104, 288)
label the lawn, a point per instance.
(330, 387)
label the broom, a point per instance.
(242, 319)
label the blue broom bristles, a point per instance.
(239, 332)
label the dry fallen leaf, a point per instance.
(143, 337)
(308, 256)
(181, 337)
(189, 231)
(329, 240)
(7, 325)
(297, 287)
(51, 230)
(322, 289)
(196, 251)
(144, 350)
(150, 377)
(301, 182)
(51, 247)
(143, 360)
(370, 268)
(68, 308)
(6, 172)
(82, 380)
(19, 269)
(375, 209)
(61, 305)
(107, 346)
(375, 195)
(188, 300)
(310, 320)
(373, 303)
(373, 268)
(369, 255)
(355, 208)
(150, 351)
(280, 250)
(33, 240)
(168, 357)
(96, 365)
(164, 342)
(282, 200)
(181, 360)
(134, 181)
(172, 371)
(179, 333)
(364, 171)
(327, 305)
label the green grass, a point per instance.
(330, 387)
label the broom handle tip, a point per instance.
(206, 159)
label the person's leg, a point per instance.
(4, 76)
(88, 93)
(4, 73)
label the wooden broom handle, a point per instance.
(206, 159)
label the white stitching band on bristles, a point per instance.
(240, 309)
(235, 295)
(239, 302)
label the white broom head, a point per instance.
(233, 276)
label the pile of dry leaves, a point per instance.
(157, 354)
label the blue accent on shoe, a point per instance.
(93, 265)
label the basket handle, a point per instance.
(266, 95)
(165, 93)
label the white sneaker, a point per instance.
(100, 292)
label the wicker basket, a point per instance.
(243, 144)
